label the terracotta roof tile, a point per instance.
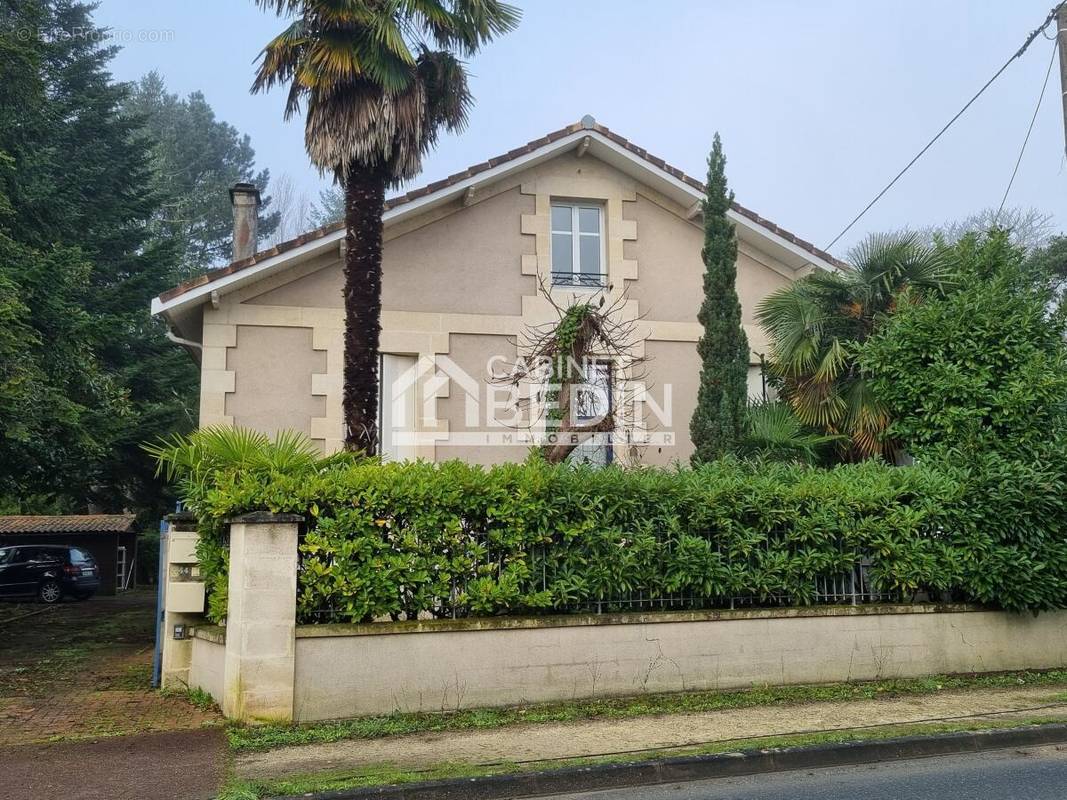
(79, 523)
(469, 172)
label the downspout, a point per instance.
(185, 342)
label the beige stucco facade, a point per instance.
(461, 281)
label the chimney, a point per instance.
(245, 200)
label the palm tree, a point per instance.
(380, 78)
(197, 461)
(817, 325)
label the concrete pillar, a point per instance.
(183, 598)
(261, 618)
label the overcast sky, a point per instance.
(819, 102)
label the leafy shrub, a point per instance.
(976, 381)
(1009, 525)
(984, 367)
(397, 540)
(205, 464)
(400, 540)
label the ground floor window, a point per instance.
(592, 401)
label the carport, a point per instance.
(110, 538)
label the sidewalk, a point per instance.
(574, 740)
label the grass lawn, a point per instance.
(264, 737)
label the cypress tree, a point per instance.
(717, 424)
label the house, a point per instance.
(466, 263)
(111, 539)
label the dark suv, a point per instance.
(48, 571)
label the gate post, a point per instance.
(183, 598)
(261, 618)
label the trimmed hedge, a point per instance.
(398, 540)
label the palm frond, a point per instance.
(816, 403)
(816, 325)
(280, 59)
(221, 447)
(469, 24)
(834, 361)
(290, 452)
(379, 79)
(774, 432)
(208, 457)
(866, 418)
(795, 324)
(887, 263)
(448, 97)
(282, 8)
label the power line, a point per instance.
(1029, 40)
(1029, 130)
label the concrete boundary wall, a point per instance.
(262, 666)
(207, 668)
(418, 668)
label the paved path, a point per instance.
(1039, 774)
(83, 670)
(577, 739)
(78, 717)
(182, 765)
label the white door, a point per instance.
(396, 406)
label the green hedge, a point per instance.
(397, 540)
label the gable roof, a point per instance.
(74, 523)
(603, 142)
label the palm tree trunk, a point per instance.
(364, 204)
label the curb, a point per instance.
(692, 768)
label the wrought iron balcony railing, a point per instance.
(587, 279)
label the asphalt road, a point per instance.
(1032, 774)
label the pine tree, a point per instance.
(718, 420)
(79, 264)
(59, 407)
(89, 184)
(195, 159)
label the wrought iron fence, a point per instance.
(852, 587)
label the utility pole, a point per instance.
(1061, 39)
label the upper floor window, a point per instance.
(577, 245)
